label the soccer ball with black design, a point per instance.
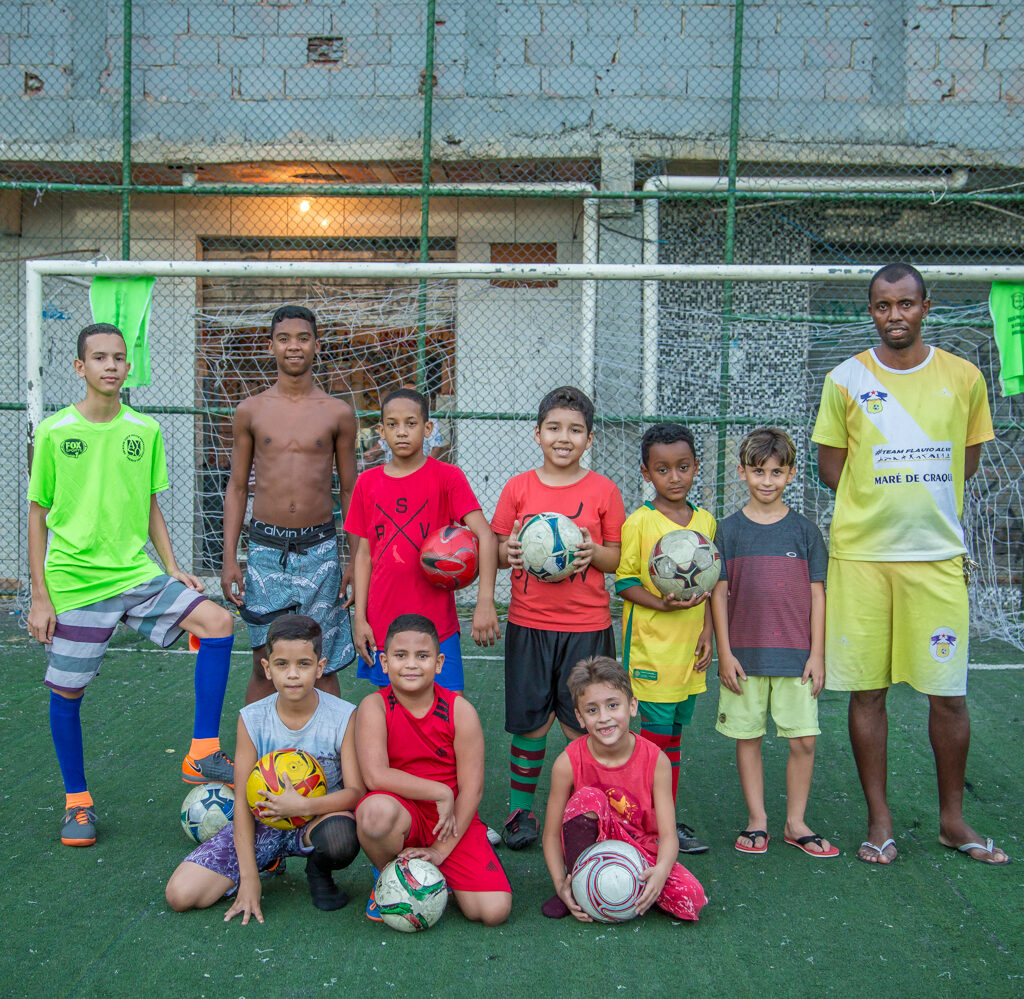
(549, 543)
(607, 882)
(267, 778)
(206, 810)
(449, 557)
(684, 563)
(411, 894)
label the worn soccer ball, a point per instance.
(549, 543)
(450, 557)
(606, 880)
(411, 894)
(267, 776)
(206, 810)
(684, 563)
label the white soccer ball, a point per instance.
(606, 880)
(549, 543)
(685, 564)
(411, 894)
(206, 810)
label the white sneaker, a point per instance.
(493, 836)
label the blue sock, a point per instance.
(66, 728)
(212, 664)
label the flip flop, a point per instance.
(880, 850)
(988, 846)
(753, 835)
(801, 844)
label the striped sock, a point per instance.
(525, 765)
(667, 739)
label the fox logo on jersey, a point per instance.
(873, 401)
(73, 447)
(943, 644)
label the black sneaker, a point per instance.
(323, 891)
(520, 830)
(688, 842)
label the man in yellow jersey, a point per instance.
(899, 431)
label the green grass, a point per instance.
(94, 922)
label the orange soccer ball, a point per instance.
(267, 777)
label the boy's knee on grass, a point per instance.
(193, 886)
(490, 908)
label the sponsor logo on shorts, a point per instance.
(943, 644)
(721, 718)
(73, 447)
(133, 447)
(873, 401)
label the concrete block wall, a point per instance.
(514, 78)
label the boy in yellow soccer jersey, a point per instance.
(899, 430)
(666, 642)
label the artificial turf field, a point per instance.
(93, 922)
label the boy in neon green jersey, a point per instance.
(96, 470)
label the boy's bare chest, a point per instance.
(293, 429)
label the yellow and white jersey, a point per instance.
(900, 494)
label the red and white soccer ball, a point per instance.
(607, 882)
(684, 563)
(450, 557)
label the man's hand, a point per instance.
(513, 549)
(703, 651)
(566, 895)
(445, 816)
(42, 619)
(814, 670)
(346, 592)
(232, 582)
(486, 630)
(584, 554)
(654, 882)
(362, 639)
(285, 805)
(247, 902)
(427, 853)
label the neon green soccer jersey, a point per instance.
(97, 480)
(901, 491)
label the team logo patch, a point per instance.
(73, 447)
(873, 401)
(943, 644)
(133, 447)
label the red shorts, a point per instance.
(472, 865)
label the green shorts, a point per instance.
(745, 716)
(668, 714)
(896, 622)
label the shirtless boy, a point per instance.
(293, 434)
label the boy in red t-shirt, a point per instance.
(552, 626)
(421, 749)
(611, 784)
(394, 508)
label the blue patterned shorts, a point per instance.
(307, 581)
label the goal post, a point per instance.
(646, 341)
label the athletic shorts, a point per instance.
(217, 854)
(451, 676)
(537, 664)
(896, 622)
(307, 581)
(472, 865)
(674, 714)
(745, 716)
(155, 609)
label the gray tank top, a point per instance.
(320, 737)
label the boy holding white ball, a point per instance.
(553, 625)
(769, 612)
(666, 642)
(301, 717)
(611, 784)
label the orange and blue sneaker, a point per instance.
(216, 766)
(79, 826)
(372, 912)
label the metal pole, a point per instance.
(126, 130)
(730, 248)
(428, 114)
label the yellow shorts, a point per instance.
(896, 622)
(745, 716)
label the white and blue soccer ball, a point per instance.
(206, 810)
(549, 543)
(607, 881)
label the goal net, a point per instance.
(485, 348)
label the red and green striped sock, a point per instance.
(526, 761)
(667, 738)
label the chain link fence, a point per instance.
(784, 132)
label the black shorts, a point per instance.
(537, 664)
